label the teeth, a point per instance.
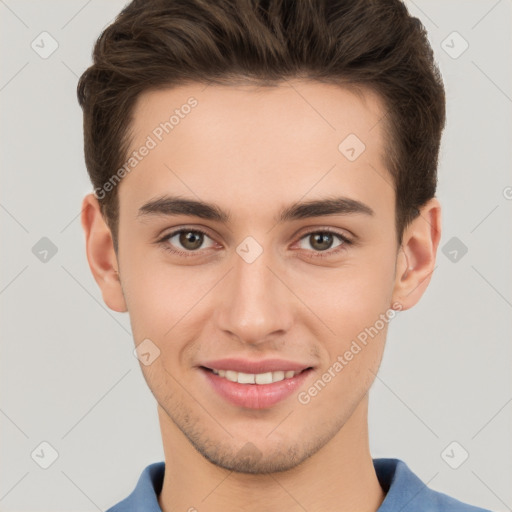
(259, 378)
(277, 376)
(263, 378)
(232, 376)
(246, 378)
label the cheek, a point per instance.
(163, 300)
(155, 308)
(350, 298)
(359, 316)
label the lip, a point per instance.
(261, 366)
(255, 396)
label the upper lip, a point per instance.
(255, 366)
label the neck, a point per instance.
(339, 477)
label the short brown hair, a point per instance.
(370, 43)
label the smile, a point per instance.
(262, 388)
(255, 378)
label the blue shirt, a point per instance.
(405, 492)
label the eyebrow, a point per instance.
(174, 205)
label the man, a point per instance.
(265, 176)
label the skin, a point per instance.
(253, 151)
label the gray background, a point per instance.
(68, 375)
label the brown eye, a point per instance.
(321, 241)
(191, 240)
(185, 241)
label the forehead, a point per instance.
(296, 109)
(257, 146)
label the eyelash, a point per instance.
(316, 254)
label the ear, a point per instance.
(101, 255)
(417, 255)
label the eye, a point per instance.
(322, 242)
(191, 240)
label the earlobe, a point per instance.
(417, 255)
(101, 255)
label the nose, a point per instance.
(254, 304)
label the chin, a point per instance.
(250, 460)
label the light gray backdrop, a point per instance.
(68, 375)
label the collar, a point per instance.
(404, 491)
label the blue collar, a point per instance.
(404, 491)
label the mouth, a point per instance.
(268, 383)
(255, 378)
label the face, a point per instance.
(257, 288)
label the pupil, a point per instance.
(322, 241)
(191, 240)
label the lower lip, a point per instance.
(255, 396)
